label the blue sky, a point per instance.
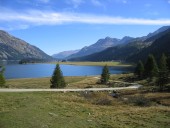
(60, 25)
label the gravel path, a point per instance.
(70, 90)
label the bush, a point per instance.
(103, 101)
(139, 101)
(88, 94)
(89, 86)
(98, 98)
(2, 78)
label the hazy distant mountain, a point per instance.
(100, 45)
(134, 50)
(12, 48)
(64, 54)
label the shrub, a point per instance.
(139, 100)
(2, 78)
(98, 98)
(103, 101)
(89, 86)
(88, 94)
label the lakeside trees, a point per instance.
(2, 78)
(57, 80)
(157, 73)
(139, 70)
(151, 67)
(105, 75)
(163, 74)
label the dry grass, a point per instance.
(39, 82)
(77, 110)
(74, 110)
(109, 63)
(72, 82)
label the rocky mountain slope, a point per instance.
(12, 48)
(159, 46)
(100, 45)
(135, 50)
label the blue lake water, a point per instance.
(46, 70)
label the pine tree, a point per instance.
(151, 68)
(163, 76)
(2, 78)
(57, 80)
(105, 75)
(163, 63)
(139, 70)
(168, 63)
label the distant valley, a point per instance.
(64, 54)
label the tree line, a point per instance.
(157, 71)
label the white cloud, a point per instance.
(35, 18)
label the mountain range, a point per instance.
(100, 45)
(136, 49)
(108, 42)
(107, 49)
(12, 48)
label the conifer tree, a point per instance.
(139, 70)
(163, 75)
(168, 63)
(151, 68)
(105, 75)
(163, 63)
(2, 78)
(57, 80)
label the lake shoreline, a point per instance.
(41, 70)
(89, 63)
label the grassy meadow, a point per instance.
(81, 110)
(109, 63)
(72, 82)
(132, 108)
